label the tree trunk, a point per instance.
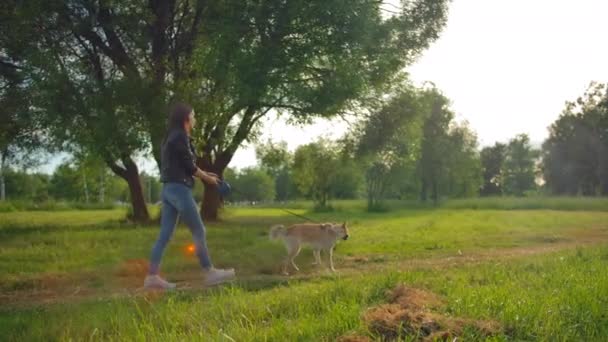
(2, 186)
(2, 183)
(212, 201)
(86, 188)
(423, 190)
(140, 210)
(435, 192)
(130, 174)
(102, 187)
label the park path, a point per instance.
(127, 281)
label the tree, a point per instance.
(251, 184)
(234, 60)
(315, 169)
(575, 156)
(66, 183)
(388, 140)
(275, 159)
(22, 185)
(492, 161)
(19, 134)
(464, 173)
(84, 100)
(349, 177)
(519, 166)
(435, 139)
(449, 162)
(152, 187)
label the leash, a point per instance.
(298, 215)
(283, 209)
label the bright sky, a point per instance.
(508, 66)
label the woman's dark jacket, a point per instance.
(178, 159)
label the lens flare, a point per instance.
(190, 248)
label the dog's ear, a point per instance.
(344, 224)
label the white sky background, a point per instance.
(509, 66)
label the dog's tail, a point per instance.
(277, 231)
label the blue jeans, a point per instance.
(177, 201)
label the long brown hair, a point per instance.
(178, 115)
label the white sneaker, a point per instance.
(156, 282)
(216, 276)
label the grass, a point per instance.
(540, 273)
(51, 205)
(477, 203)
(530, 203)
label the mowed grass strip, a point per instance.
(46, 249)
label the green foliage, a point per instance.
(389, 141)
(520, 166)
(463, 178)
(251, 184)
(492, 161)
(103, 75)
(70, 183)
(26, 186)
(449, 164)
(575, 156)
(315, 170)
(276, 160)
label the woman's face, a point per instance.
(190, 122)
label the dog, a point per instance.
(320, 236)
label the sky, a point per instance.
(508, 66)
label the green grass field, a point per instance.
(538, 270)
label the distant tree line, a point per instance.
(411, 147)
(407, 146)
(74, 182)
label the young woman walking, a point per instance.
(178, 170)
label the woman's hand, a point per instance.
(210, 178)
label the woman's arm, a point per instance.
(207, 177)
(181, 147)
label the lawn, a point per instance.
(536, 272)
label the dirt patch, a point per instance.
(359, 259)
(133, 268)
(412, 312)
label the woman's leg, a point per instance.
(168, 221)
(190, 216)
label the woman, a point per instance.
(177, 174)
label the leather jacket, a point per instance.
(178, 158)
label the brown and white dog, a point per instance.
(320, 236)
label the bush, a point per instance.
(6, 207)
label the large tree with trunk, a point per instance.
(233, 60)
